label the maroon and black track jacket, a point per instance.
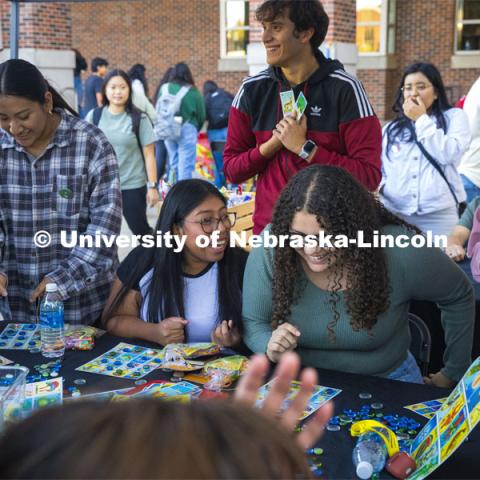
(340, 120)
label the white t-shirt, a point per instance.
(200, 297)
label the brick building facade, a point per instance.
(160, 33)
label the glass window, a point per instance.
(375, 26)
(235, 28)
(468, 25)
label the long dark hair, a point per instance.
(401, 126)
(165, 79)
(137, 72)
(342, 207)
(166, 288)
(182, 74)
(20, 78)
(118, 73)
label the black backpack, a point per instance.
(136, 119)
(217, 105)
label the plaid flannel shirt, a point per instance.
(73, 186)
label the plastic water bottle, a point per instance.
(369, 455)
(51, 323)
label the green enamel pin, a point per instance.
(66, 193)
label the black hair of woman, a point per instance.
(23, 79)
(167, 75)
(130, 108)
(137, 72)
(439, 106)
(182, 74)
(209, 87)
(342, 206)
(167, 285)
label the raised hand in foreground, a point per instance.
(285, 372)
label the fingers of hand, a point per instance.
(251, 380)
(38, 290)
(308, 380)
(224, 328)
(282, 344)
(314, 428)
(285, 372)
(289, 328)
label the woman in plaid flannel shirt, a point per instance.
(57, 173)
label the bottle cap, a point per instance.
(364, 470)
(51, 287)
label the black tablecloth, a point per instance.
(394, 395)
(430, 313)
(337, 445)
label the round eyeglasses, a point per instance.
(211, 224)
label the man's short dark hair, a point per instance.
(304, 14)
(98, 62)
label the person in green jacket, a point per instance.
(346, 309)
(182, 153)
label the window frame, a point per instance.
(224, 30)
(459, 7)
(387, 22)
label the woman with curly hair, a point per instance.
(347, 308)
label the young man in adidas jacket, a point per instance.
(338, 127)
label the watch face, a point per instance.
(309, 146)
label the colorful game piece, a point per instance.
(224, 371)
(449, 426)
(300, 105)
(426, 409)
(79, 381)
(81, 337)
(320, 396)
(288, 102)
(377, 405)
(135, 362)
(20, 336)
(196, 349)
(365, 395)
(174, 359)
(43, 394)
(331, 427)
(160, 389)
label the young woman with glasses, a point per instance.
(193, 295)
(425, 126)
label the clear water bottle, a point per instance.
(369, 455)
(51, 323)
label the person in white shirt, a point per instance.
(140, 91)
(427, 129)
(470, 165)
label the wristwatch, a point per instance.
(307, 149)
(152, 184)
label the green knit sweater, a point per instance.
(414, 273)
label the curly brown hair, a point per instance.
(342, 206)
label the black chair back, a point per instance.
(421, 343)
